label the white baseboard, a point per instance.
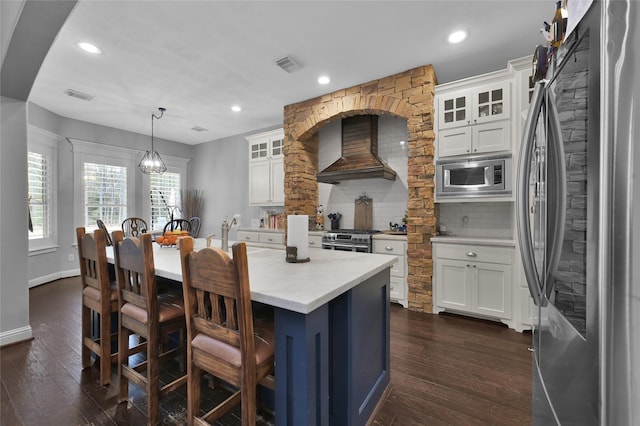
(52, 277)
(15, 335)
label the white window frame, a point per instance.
(174, 165)
(90, 152)
(46, 144)
(171, 205)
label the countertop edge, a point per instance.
(383, 236)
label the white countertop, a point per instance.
(473, 240)
(299, 287)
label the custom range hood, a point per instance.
(359, 153)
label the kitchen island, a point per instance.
(331, 326)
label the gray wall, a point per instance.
(14, 295)
(221, 170)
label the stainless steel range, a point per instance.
(348, 240)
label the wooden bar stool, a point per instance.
(220, 330)
(99, 295)
(144, 313)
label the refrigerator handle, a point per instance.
(522, 195)
(556, 193)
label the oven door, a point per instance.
(360, 248)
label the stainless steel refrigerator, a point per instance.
(577, 203)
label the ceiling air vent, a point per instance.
(288, 64)
(77, 94)
(199, 129)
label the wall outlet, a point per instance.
(71, 257)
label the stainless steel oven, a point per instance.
(474, 177)
(348, 240)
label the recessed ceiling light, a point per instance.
(89, 48)
(457, 36)
(324, 79)
(236, 108)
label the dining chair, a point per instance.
(102, 226)
(134, 226)
(100, 296)
(177, 224)
(149, 315)
(195, 226)
(221, 337)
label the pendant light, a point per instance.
(151, 162)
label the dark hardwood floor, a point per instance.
(445, 370)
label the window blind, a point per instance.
(38, 195)
(105, 194)
(165, 196)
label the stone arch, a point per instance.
(407, 95)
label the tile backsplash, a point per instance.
(389, 196)
(478, 220)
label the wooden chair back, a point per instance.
(102, 226)
(135, 271)
(94, 269)
(134, 226)
(195, 226)
(178, 224)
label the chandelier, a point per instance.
(151, 161)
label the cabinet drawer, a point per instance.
(271, 238)
(315, 241)
(396, 248)
(503, 255)
(397, 288)
(247, 236)
(389, 247)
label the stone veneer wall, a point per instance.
(408, 95)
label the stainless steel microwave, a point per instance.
(486, 176)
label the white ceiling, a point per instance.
(198, 58)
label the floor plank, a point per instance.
(445, 370)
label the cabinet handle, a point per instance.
(387, 248)
(248, 238)
(474, 266)
(270, 239)
(472, 254)
(467, 150)
(312, 243)
(475, 150)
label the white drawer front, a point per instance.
(315, 241)
(473, 253)
(397, 288)
(271, 238)
(252, 237)
(389, 247)
(397, 248)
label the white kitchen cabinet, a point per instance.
(266, 168)
(474, 119)
(315, 239)
(394, 245)
(473, 279)
(262, 238)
